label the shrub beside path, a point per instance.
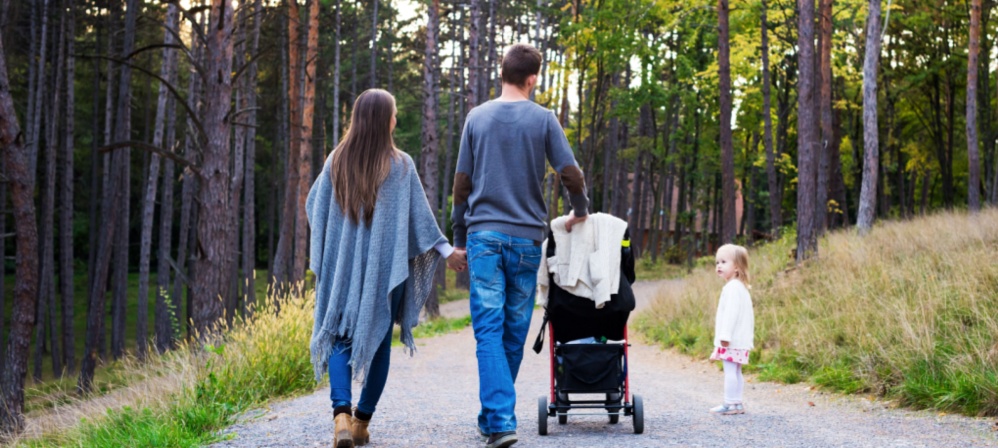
(432, 400)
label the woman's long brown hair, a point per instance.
(363, 159)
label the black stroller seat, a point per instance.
(597, 366)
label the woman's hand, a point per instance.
(458, 261)
(724, 343)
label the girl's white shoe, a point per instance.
(728, 409)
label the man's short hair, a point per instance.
(519, 62)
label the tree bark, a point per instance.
(775, 207)
(807, 135)
(66, 200)
(188, 190)
(111, 206)
(46, 286)
(429, 157)
(473, 47)
(305, 142)
(336, 74)
(167, 71)
(374, 44)
(973, 152)
(871, 157)
(249, 204)
(21, 181)
(35, 122)
(210, 279)
(825, 107)
(285, 261)
(728, 218)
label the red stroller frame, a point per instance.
(597, 368)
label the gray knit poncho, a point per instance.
(357, 266)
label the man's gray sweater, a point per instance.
(501, 169)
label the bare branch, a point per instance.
(190, 112)
(155, 150)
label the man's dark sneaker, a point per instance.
(501, 439)
(482, 432)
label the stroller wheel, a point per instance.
(614, 413)
(639, 415)
(562, 419)
(542, 415)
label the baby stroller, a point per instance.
(596, 366)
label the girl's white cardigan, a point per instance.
(735, 321)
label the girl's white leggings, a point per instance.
(734, 383)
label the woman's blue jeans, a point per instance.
(340, 373)
(503, 277)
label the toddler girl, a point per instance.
(734, 326)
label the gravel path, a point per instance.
(432, 399)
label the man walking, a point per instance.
(500, 217)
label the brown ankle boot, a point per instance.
(359, 429)
(342, 437)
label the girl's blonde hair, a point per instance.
(741, 261)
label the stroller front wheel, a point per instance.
(639, 415)
(542, 415)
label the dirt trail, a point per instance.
(432, 399)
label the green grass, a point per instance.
(906, 312)
(200, 389)
(81, 296)
(434, 327)
(645, 269)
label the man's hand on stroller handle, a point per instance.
(573, 220)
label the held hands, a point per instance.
(573, 220)
(724, 343)
(458, 261)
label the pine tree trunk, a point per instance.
(210, 279)
(728, 218)
(429, 157)
(167, 71)
(109, 122)
(240, 103)
(336, 74)
(374, 44)
(973, 152)
(46, 287)
(868, 192)
(34, 131)
(825, 107)
(111, 207)
(188, 190)
(775, 208)
(807, 134)
(249, 204)
(119, 280)
(3, 259)
(66, 275)
(492, 69)
(473, 47)
(305, 142)
(284, 264)
(984, 100)
(21, 181)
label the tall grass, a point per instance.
(184, 397)
(909, 312)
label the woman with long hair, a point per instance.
(374, 250)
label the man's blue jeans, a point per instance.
(340, 373)
(503, 272)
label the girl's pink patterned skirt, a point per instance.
(736, 355)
